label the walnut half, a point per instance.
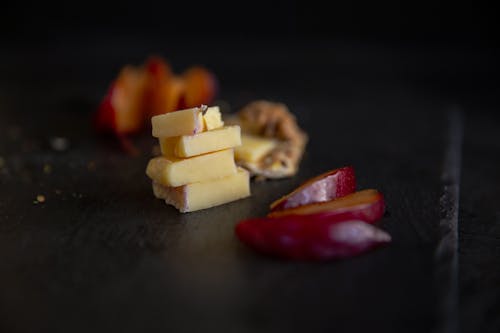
(274, 121)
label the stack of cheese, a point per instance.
(197, 168)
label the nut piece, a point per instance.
(272, 120)
(275, 121)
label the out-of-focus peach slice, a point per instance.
(140, 93)
(200, 87)
(173, 92)
(120, 111)
(159, 76)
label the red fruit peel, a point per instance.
(325, 187)
(366, 205)
(301, 238)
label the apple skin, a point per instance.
(325, 187)
(366, 205)
(301, 237)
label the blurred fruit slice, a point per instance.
(173, 92)
(139, 93)
(120, 111)
(200, 87)
(159, 77)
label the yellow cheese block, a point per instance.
(253, 148)
(196, 196)
(183, 122)
(201, 143)
(186, 122)
(174, 171)
(213, 118)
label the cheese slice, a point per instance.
(196, 196)
(201, 143)
(186, 122)
(183, 122)
(174, 171)
(213, 118)
(253, 148)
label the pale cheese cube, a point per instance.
(201, 195)
(201, 143)
(173, 171)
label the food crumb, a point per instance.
(91, 166)
(59, 143)
(47, 169)
(39, 199)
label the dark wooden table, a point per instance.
(419, 123)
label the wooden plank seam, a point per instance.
(446, 254)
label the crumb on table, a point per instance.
(40, 198)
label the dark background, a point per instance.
(371, 82)
(456, 34)
(389, 21)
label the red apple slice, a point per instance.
(302, 238)
(366, 205)
(325, 187)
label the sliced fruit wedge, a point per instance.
(160, 78)
(200, 87)
(366, 205)
(325, 187)
(299, 237)
(120, 111)
(139, 93)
